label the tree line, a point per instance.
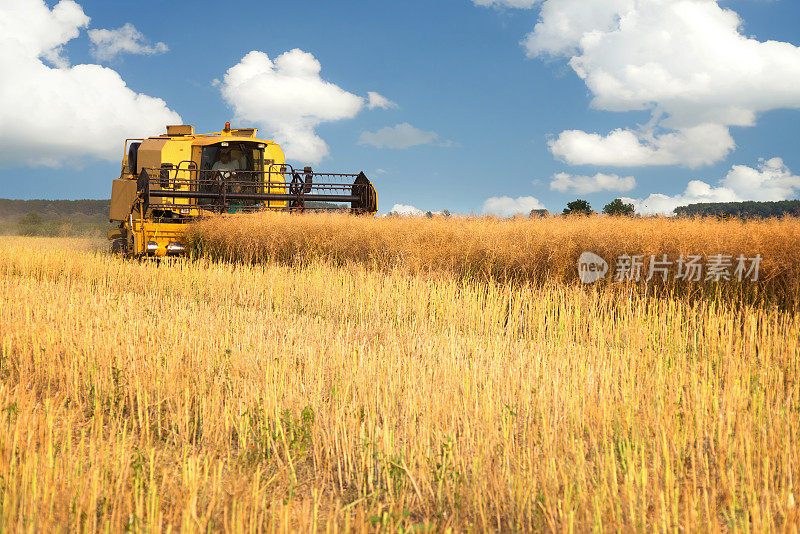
(615, 208)
(744, 210)
(747, 210)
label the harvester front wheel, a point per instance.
(119, 246)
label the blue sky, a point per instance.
(452, 67)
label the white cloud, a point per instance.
(563, 24)
(127, 39)
(693, 147)
(287, 98)
(399, 137)
(56, 114)
(523, 4)
(584, 185)
(770, 181)
(36, 31)
(507, 206)
(685, 61)
(406, 210)
(376, 100)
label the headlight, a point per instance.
(174, 248)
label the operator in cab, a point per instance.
(225, 165)
(225, 168)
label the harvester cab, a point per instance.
(171, 180)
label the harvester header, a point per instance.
(176, 178)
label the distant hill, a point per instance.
(747, 210)
(54, 217)
(56, 209)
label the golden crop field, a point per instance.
(304, 389)
(521, 249)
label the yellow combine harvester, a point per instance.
(174, 179)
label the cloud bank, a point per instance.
(52, 113)
(585, 185)
(684, 61)
(406, 210)
(507, 206)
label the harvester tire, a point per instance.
(119, 246)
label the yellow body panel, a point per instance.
(123, 195)
(162, 234)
